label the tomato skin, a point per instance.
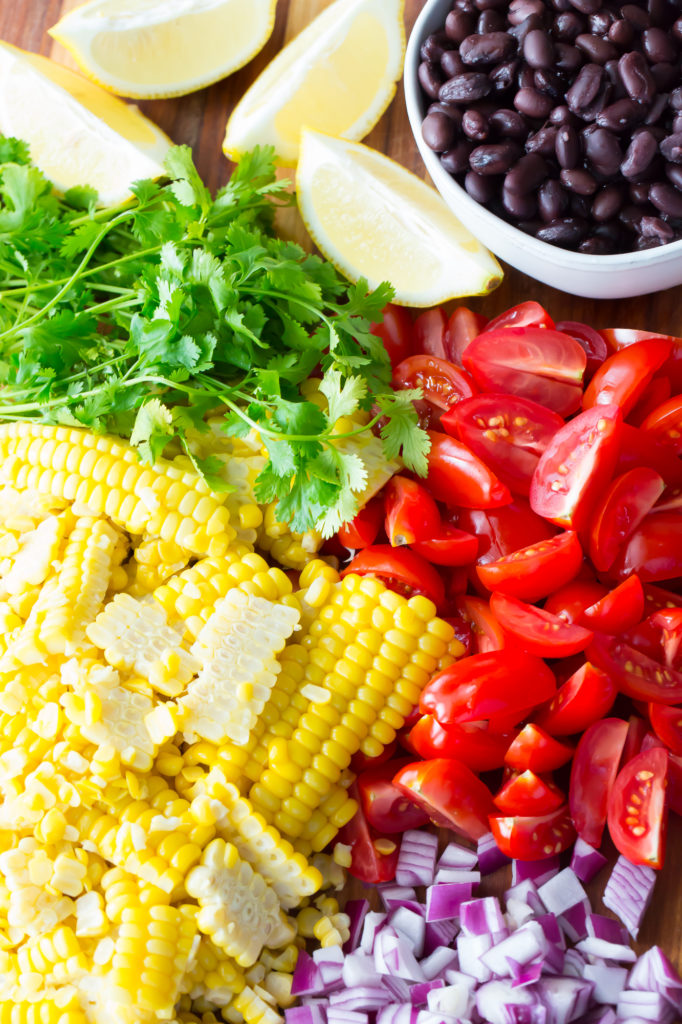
(535, 837)
(658, 598)
(665, 423)
(637, 813)
(584, 698)
(634, 673)
(498, 685)
(617, 611)
(399, 569)
(508, 432)
(655, 395)
(429, 333)
(449, 546)
(458, 477)
(527, 794)
(501, 531)
(638, 448)
(367, 864)
(443, 384)
(384, 806)
(474, 745)
(536, 363)
(674, 790)
(570, 601)
(533, 572)
(589, 339)
(363, 530)
(535, 750)
(396, 332)
(450, 794)
(625, 376)
(618, 338)
(360, 762)
(536, 631)
(653, 551)
(637, 730)
(617, 515)
(411, 512)
(463, 326)
(486, 632)
(667, 724)
(575, 466)
(593, 773)
(526, 314)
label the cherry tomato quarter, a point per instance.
(463, 326)
(429, 330)
(593, 773)
(617, 611)
(533, 572)
(527, 794)
(589, 339)
(450, 794)
(665, 423)
(536, 631)
(625, 376)
(536, 750)
(478, 747)
(634, 673)
(526, 314)
(368, 863)
(399, 569)
(486, 632)
(363, 530)
(653, 551)
(667, 724)
(617, 515)
(411, 512)
(442, 383)
(396, 332)
(384, 806)
(458, 477)
(448, 546)
(656, 394)
(637, 808)
(501, 531)
(584, 698)
(533, 838)
(570, 601)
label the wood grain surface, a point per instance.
(199, 120)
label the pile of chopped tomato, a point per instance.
(549, 532)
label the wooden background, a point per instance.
(199, 120)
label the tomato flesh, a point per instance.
(478, 747)
(615, 518)
(654, 550)
(535, 837)
(368, 863)
(634, 673)
(665, 423)
(501, 531)
(458, 477)
(536, 631)
(625, 376)
(411, 512)
(536, 750)
(585, 697)
(463, 326)
(593, 773)
(385, 807)
(449, 546)
(571, 601)
(486, 632)
(535, 571)
(617, 611)
(528, 793)
(589, 339)
(396, 332)
(667, 724)
(429, 331)
(526, 314)
(442, 384)
(449, 793)
(399, 569)
(363, 530)
(637, 813)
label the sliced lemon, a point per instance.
(339, 74)
(77, 132)
(151, 48)
(373, 219)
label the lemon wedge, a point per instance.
(78, 134)
(152, 48)
(339, 74)
(371, 218)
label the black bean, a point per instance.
(641, 151)
(465, 88)
(587, 6)
(659, 12)
(568, 58)
(635, 15)
(567, 26)
(579, 181)
(621, 115)
(654, 227)
(676, 30)
(503, 76)
(542, 141)
(567, 147)
(615, 81)
(480, 188)
(561, 5)
(533, 103)
(430, 78)
(435, 46)
(526, 174)
(673, 172)
(494, 158)
(658, 46)
(519, 10)
(676, 127)
(643, 243)
(600, 22)
(636, 77)
(585, 88)
(509, 123)
(606, 203)
(622, 33)
(468, 6)
(675, 98)
(520, 206)
(438, 131)
(549, 83)
(452, 64)
(490, 21)
(552, 200)
(602, 151)
(596, 49)
(538, 49)
(458, 26)
(525, 78)
(456, 160)
(631, 217)
(478, 51)
(656, 109)
(595, 246)
(665, 75)
(565, 231)
(666, 198)
(562, 115)
(671, 148)
(529, 227)
(639, 194)
(454, 113)
(475, 125)
(488, 5)
(529, 24)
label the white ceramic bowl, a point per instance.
(597, 277)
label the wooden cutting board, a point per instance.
(199, 120)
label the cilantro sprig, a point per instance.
(141, 319)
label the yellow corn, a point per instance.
(153, 562)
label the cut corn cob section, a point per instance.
(38, 550)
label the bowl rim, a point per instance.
(455, 195)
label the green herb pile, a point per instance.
(138, 320)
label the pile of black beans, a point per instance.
(564, 117)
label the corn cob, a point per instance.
(39, 548)
(213, 974)
(47, 1009)
(153, 562)
(254, 1009)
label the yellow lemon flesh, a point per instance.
(339, 74)
(374, 219)
(78, 134)
(149, 48)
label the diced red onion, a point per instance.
(598, 1015)
(444, 875)
(470, 949)
(628, 892)
(393, 956)
(562, 891)
(439, 933)
(419, 992)
(427, 1017)
(374, 922)
(482, 917)
(305, 1015)
(498, 1002)
(411, 927)
(574, 963)
(357, 912)
(453, 1000)
(522, 947)
(573, 922)
(609, 981)
(526, 892)
(417, 858)
(517, 913)
(307, 979)
(443, 901)
(556, 943)
(586, 861)
(566, 999)
(653, 972)
(365, 998)
(526, 974)
(359, 970)
(397, 1013)
(398, 987)
(606, 928)
(646, 1005)
(456, 856)
(592, 946)
(392, 894)
(539, 871)
(490, 856)
(337, 1015)
(438, 961)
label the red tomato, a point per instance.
(637, 730)
(526, 314)
(638, 448)
(536, 750)
(637, 810)
(383, 804)
(667, 724)
(532, 572)
(508, 432)
(411, 512)
(396, 332)
(570, 601)
(458, 477)
(617, 611)
(400, 570)
(527, 793)
(462, 633)
(584, 698)
(368, 863)
(589, 339)
(618, 514)
(674, 791)
(364, 529)
(625, 376)
(654, 396)
(593, 773)
(536, 363)
(442, 383)
(501, 531)
(463, 327)
(654, 550)
(497, 685)
(533, 838)
(448, 546)
(429, 333)
(634, 673)
(576, 465)
(450, 793)
(473, 744)
(617, 338)
(360, 762)
(486, 632)
(665, 423)
(536, 631)
(667, 622)
(656, 598)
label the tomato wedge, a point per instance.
(463, 326)
(667, 724)
(638, 814)
(656, 394)
(458, 477)
(576, 465)
(637, 448)
(617, 611)
(399, 569)
(508, 432)
(535, 571)
(625, 376)
(429, 332)
(618, 514)
(526, 314)
(536, 631)
(396, 332)
(584, 698)
(363, 530)
(533, 838)
(473, 743)
(497, 685)
(486, 632)
(534, 362)
(570, 601)
(654, 550)
(368, 863)
(635, 673)
(637, 730)
(528, 793)
(536, 750)
(593, 773)
(411, 512)
(442, 383)
(450, 794)
(503, 530)
(448, 546)
(589, 339)
(385, 807)
(665, 423)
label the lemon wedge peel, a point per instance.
(339, 74)
(153, 49)
(78, 134)
(373, 218)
